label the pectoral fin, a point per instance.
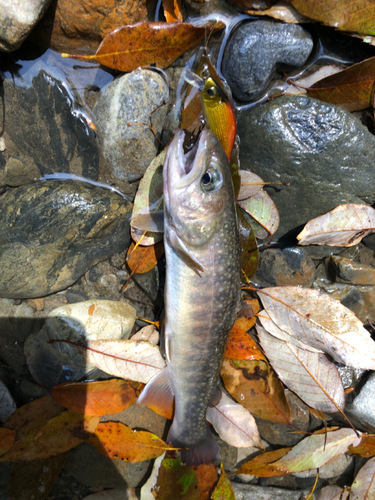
(150, 221)
(158, 394)
(184, 253)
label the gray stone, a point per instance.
(350, 376)
(128, 149)
(54, 134)
(52, 232)
(18, 172)
(325, 153)
(361, 410)
(92, 469)
(289, 266)
(17, 19)
(257, 49)
(252, 492)
(7, 404)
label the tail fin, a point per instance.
(204, 451)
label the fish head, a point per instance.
(198, 188)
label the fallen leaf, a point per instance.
(333, 493)
(250, 184)
(176, 481)
(249, 247)
(133, 360)
(33, 415)
(241, 346)
(223, 490)
(146, 43)
(343, 226)
(366, 447)
(60, 434)
(7, 437)
(352, 88)
(35, 480)
(316, 450)
(262, 465)
(314, 378)
(255, 386)
(149, 197)
(346, 15)
(282, 11)
(300, 85)
(148, 333)
(144, 258)
(95, 398)
(274, 330)
(234, 424)
(317, 319)
(363, 487)
(116, 440)
(172, 11)
(262, 208)
(206, 475)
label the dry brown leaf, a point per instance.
(172, 11)
(7, 437)
(333, 493)
(314, 378)
(143, 259)
(133, 360)
(317, 319)
(344, 226)
(283, 11)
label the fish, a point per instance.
(202, 290)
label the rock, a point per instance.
(345, 270)
(289, 266)
(360, 409)
(57, 362)
(17, 322)
(53, 232)
(128, 149)
(18, 172)
(252, 492)
(92, 469)
(322, 150)
(17, 19)
(114, 494)
(79, 27)
(7, 404)
(54, 136)
(284, 434)
(257, 50)
(350, 376)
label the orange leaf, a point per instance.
(206, 476)
(256, 387)
(142, 44)
(261, 465)
(116, 440)
(177, 481)
(143, 259)
(241, 346)
(7, 437)
(95, 398)
(33, 415)
(172, 11)
(60, 434)
(366, 447)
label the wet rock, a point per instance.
(92, 469)
(17, 19)
(322, 150)
(128, 149)
(361, 410)
(18, 172)
(7, 404)
(252, 492)
(56, 362)
(289, 266)
(54, 136)
(74, 296)
(344, 269)
(53, 232)
(284, 434)
(79, 27)
(257, 49)
(350, 376)
(17, 322)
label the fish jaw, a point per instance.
(191, 210)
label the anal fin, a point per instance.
(158, 394)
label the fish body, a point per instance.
(202, 284)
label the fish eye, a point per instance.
(211, 180)
(212, 91)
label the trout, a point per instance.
(202, 289)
